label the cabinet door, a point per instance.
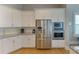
(31, 41)
(42, 14)
(5, 16)
(1, 47)
(28, 18)
(11, 44)
(7, 45)
(17, 43)
(25, 41)
(28, 41)
(58, 44)
(20, 41)
(61, 43)
(54, 44)
(17, 18)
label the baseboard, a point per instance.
(29, 47)
(58, 47)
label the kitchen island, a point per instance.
(75, 48)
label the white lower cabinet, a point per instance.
(7, 45)
(28, 41)
(10, 44)
(17, 42)
(58, 44)
(1, 46)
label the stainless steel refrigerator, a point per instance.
(44, 35)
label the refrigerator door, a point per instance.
(39, 34)
(47, 34)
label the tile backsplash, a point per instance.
(12, 30)
(5, 31)
(1, 31)
(28, 30)
(17, 30)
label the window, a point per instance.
(76, 24)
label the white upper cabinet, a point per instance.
(28, 18)
(17, 18)
(5, 16)
(10, 17)
(50, 13)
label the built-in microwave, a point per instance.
(58, 26)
